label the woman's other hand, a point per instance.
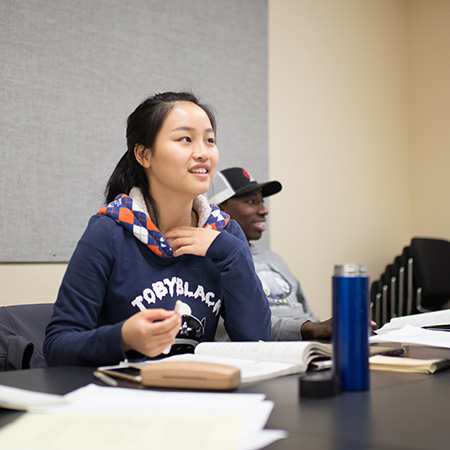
(190, 240)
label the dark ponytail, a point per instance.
(127, 174)
(143, 126)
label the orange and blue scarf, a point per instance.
(126, 212)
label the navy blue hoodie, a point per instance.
(113, 274)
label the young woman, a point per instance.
(158, 241)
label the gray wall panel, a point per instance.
(72, 72)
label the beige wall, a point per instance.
(358, 119)
(358, 115)
(29, 283)
(430, 116)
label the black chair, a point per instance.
(22, 332)
(399, 269)
(406, 262)
(417, 281)
(375, 301)
(431, 269)
(384, 296)
(379, 298)
(389, 279)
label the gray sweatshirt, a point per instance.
(288, 305)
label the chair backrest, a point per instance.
(22, 332)
(431, 270)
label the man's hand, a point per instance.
(190, 240)
(317, 330)
(320, 330)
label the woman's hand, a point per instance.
(190, 240)
(151, 331)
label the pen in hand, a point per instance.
(166, 351)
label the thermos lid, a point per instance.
(350, 270)
(319, 385)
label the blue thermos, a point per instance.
(350, 336)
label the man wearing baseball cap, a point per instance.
(242, 197)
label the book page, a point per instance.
(292, 352)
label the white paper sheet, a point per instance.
(120, 431)
(414, 335)
(418, 320)
(22, 399)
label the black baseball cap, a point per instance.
(236, 181)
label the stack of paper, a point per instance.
(426, 348)
(417, 329)
(112, 418)
(434, 319)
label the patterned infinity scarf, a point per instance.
(125, 211)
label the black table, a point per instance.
(400, 411)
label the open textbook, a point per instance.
(256, 360)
